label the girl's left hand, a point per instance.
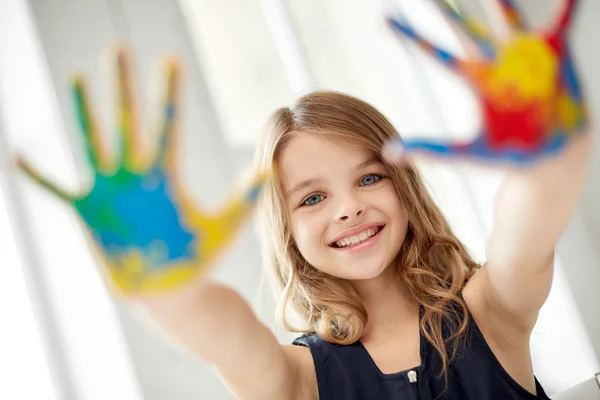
(531, 101)
(534, 115)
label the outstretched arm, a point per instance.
(534, 205)
(534, 117)
(216, 324)
(532, 209)
(155, 246)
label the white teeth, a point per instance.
(356, 239)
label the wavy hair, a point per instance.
(433, 265)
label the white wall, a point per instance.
(22, 354)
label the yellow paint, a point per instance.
(568, 113)
(131, 277)
(215, 231)
(525, 72)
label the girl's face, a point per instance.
(344, 213)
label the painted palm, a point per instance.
(150, 235)
(530, 98)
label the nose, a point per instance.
(350, 209)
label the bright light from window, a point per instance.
(22, 364)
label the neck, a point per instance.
(388, 306)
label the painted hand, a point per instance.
(150, 236)
(530, 99)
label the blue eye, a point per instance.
(313, 199)
(370, 179)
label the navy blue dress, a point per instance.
(347, 372)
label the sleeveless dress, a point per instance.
(347, 372)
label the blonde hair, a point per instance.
(432, 263)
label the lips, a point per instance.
(356, 236)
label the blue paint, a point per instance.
(479, 149)
(441, 54)
(569, 79)
(131, 212)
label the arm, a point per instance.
(216, 324)
(154, 247)
(532, 209)
(547, 116)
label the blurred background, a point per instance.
(64, 337)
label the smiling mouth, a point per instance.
(356, 240)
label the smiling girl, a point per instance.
(394, 305)
(391, 304)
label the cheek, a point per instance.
(301, 235)
(402, 221)
(307, 233)
(398, 209)
(395, 210)
(391, 202)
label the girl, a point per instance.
(393, 305)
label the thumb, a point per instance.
(398, 150)
(241, 201)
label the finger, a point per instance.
(399, 150)
(127, 110)
(249, 195)
(168, 134)
(571, 110)
(473, 29)
(571, 115)
(565, 16)
(242, 203)
(92, 138)
(217, 230)
(514, 17)
(37, 177)
(440, 54)
(568, 77)
(477, 151)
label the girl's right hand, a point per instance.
(150, 236)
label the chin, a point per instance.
(360, 272)
(364, 268)
(355, 267)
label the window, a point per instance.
(84, 332)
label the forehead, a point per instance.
(309, 155)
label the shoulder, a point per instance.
(302, 365)
(491, 320)
(326, 366)
(324, 352)
(508, 342)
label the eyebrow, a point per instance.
(302, 185)
(370, 161)
(310, 182)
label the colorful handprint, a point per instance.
(150, 235)
(531, 100)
